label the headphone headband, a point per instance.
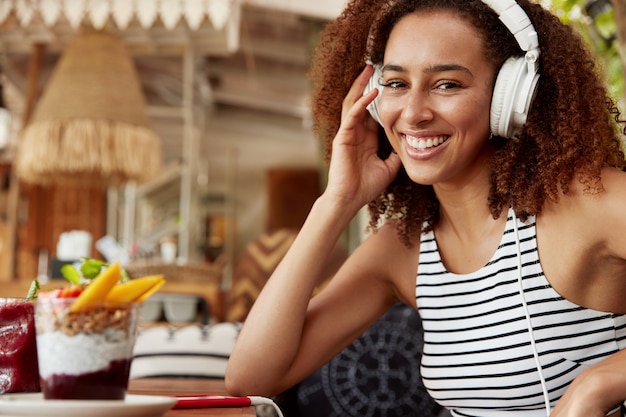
(517, 80)
(517, 22)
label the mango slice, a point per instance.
(151, 291)
(137, 289)
(98, 289)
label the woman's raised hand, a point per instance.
(357, 175)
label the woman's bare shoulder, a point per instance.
(596, 215)
(586, 194)
(395, 261)
(610, 197)
(387, 239)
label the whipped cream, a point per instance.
(81, 353)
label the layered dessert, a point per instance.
(86, 335)
(18, 352)
(85, 354)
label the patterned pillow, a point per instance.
(376, 376)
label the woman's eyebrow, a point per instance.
(430, 70)
(393, 67)
(448, 67)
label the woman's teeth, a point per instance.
(425, 143)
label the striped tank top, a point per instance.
(478, 358)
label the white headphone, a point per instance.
(516, 83)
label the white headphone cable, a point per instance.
(542, 379)
(256, 400)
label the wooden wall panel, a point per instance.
(51, 211)
(291, 193)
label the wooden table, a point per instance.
(186, 386)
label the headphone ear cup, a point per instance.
(513, 93)
(374, 83)
(504, 96)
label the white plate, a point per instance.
(34, 405)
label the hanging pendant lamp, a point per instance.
(90, 127)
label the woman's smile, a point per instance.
(424, 143)
(423, 147)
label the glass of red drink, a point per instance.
(18, 351)
(85, 354)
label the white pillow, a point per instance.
(191, 351)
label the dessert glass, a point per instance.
(18, 351)
(85, 354)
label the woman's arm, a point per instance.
(596, 391)
(602, 387)
(286, 336)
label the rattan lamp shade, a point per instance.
(90, 126)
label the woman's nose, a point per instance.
(417, 108)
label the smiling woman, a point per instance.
(503, 153)
(454, 97)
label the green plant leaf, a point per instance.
(71, 274)
(91, 268)
(33, 290)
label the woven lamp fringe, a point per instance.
(87, 152)
(90, 126)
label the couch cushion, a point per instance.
(190, 351)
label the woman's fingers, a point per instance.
(355, 101)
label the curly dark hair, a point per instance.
(572, 130)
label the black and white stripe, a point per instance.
(478, 360)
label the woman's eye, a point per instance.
(393, 84)
(447, 85)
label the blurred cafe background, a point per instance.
(174, 136)
(166, 134)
